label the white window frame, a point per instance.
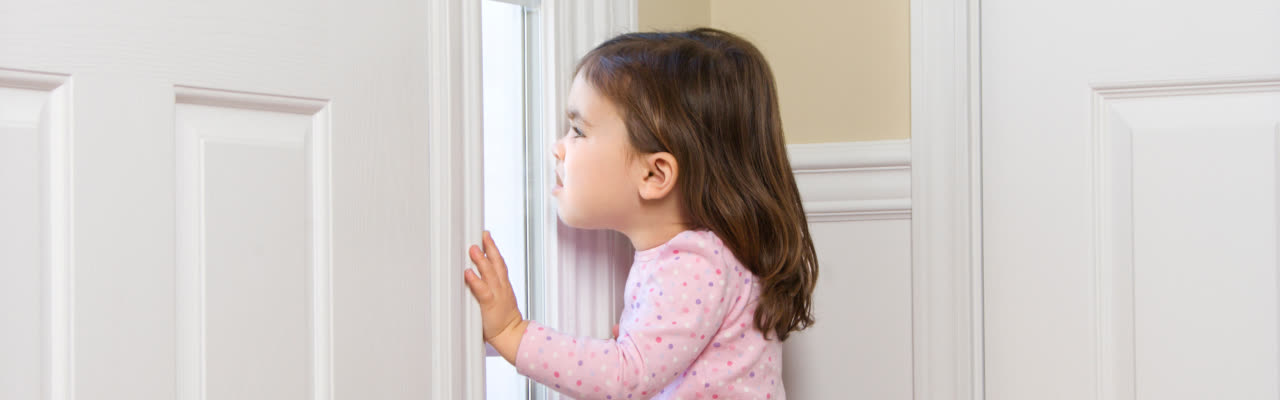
(571, 263)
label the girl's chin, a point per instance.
(572, 220)
(567, 219)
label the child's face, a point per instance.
(597, 190)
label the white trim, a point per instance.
(572, 264)
(61, 366)
(528, 4)
(853, 181)
(849, 155)
(455, 152)
(320, 145)
(57, 175)
(946, 190)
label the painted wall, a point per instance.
(843, 67)
(672, 15)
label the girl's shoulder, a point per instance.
(692, 243)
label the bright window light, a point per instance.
(503, 64)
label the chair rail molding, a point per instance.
(946, 194)
(853, 181)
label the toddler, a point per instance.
(674, 140)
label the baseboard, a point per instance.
(853, 181)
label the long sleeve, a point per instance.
(675, 305)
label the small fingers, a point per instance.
(482, 264)
(499, 264)
(491, 248)
(478, 288)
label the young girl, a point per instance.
(675, 141)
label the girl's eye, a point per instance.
(577, 132)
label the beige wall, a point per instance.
(843, 67)
(672, 15)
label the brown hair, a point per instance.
(708, 97)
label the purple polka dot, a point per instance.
(637, 284)
(606, 351)
(717, 344)
(753, 374)
(747, 281)
(557, 386)
(699, 301)
(710, 284)
(659, 317)
(669, 347)
(706, 385)
(659, 293)
(742, 335)
(608, 397)
(579, 362)
(548, 338)
(717, 251)
(695, 373)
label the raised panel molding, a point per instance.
(853, 181)
(292, 129)
(37, 274)
(1128, 113)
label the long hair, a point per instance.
(708, 97)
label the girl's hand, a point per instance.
(503, 325)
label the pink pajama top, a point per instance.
(686, 333)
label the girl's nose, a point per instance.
(557, 149)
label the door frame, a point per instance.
(946, 182)
(456, 140)
(946, 198)
(568, 28)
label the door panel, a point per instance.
(33, 234)
(1129, 199)
(253, 222)
(232, 200)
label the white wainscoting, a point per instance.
(857, 196)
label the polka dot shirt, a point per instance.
(686, 332)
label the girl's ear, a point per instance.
(658, 173)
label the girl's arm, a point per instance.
(673, 315)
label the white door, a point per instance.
(220, 199)
(1130, 174)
